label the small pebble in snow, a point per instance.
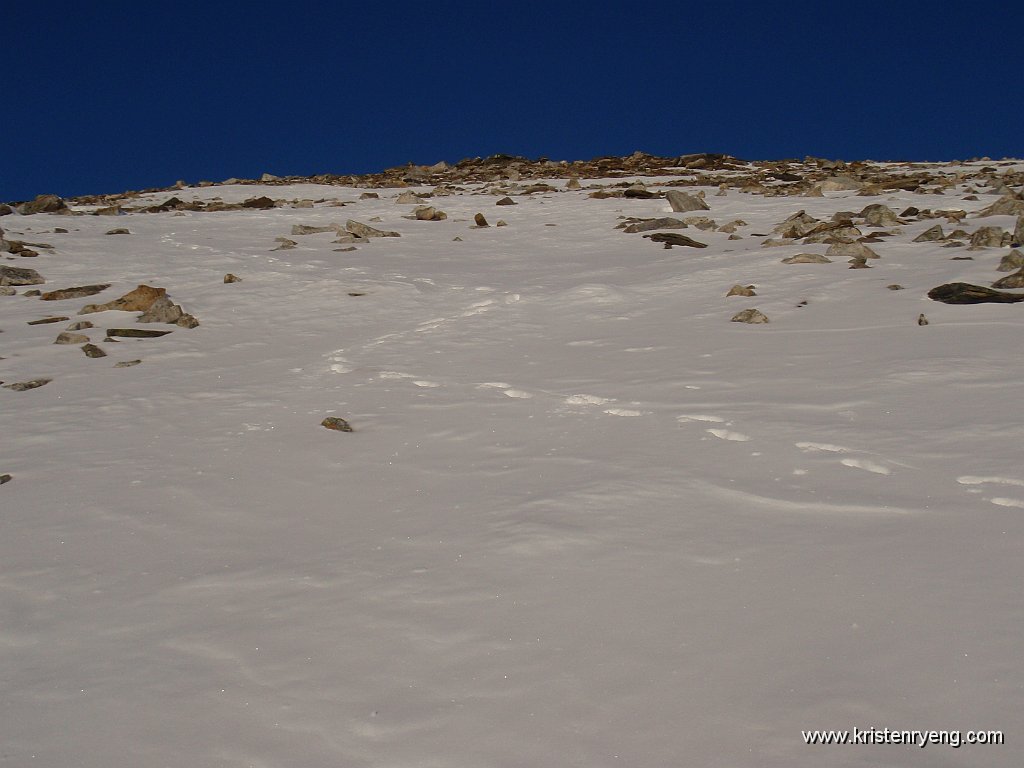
(336, 423)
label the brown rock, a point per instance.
(741, 290)
(682, 202)
(138, 300)
(480, 220)
(74, 293)
(20, 276)
(751, 316)
(24, 386)
(72, 338)
(506, 201)
(337, 423)
(230, 278)
(673, 238)
(91, 350)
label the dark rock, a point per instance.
(32, 293)
(48, 320)
(646, 225)
(230, 278)
(364, 230)
(506, 201)
(1016, 280)
(741, 290)
(309, 229)
(127, 363)
(118, 231)
(135, 333)
(672, 238)
(80, 325)
(639, 193)
(990, 237)
(5, 479)
(429, 213)
(77, 292)
(261, 203)
(922, 320)
(480, 220)
(20, 276)
(71, 338)
(91, 350)
(965, 293)
(24, 386)
(336, 423)
(807, 258)
(1011, 261)
(895, 287)
(5, 210)
(930, 235)
(909, 212)
(42, 204)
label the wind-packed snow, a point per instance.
(583, 519)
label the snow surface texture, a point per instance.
(583, 520)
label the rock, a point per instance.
(20, 276)
(127, 363)
(135, 333)
(965, 293)
(80, 325)
(751, 316)
(909, 212)
(839, 184)
(1017, 240)
(851, 250)
(408, 198)
(138, 300)
(365, 230)
(269, 177)
(1011, 261)
(429, 213)
(573, 184)
(5, 210)
(48, 320)
(91, 350)
(72, 338)
(163, 310)
(640, 193)
(922, 320)
(118, 231)
(74, 293)
(501, 223)
(6, 290)
(1016, 280)
(895, 287)
(506, 201)
(672, 238)
(261, 203)
(990, 237)
(878, 215)
(336, 423)
(284, 244)
(187, 321)
(480, 220)
(309, 229)
(702, 223)
(741, 290)
(683, 202)
(230, 278)
(369, 196)
(5, 479)
(646, 225)
(43, 204)
(32, 293)
(930, 235)
(24, 386)
(807, 258)
(1004, 206)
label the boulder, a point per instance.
(74, 293)
(930, 235)
(71, 338)
(879, 215)
(1016, 280)
(429, 213)
(20, 276)
(261, 203)
(839, 183)
(364, 230)
(965, 293)
(91, 350)
(336, 423)
(851, 251)
(138, 300)
(682, 202)
(230, 278)
(1011, 261)
(646, 225)
(43, 204)
(672, 238)
(751, 316)
(506, 201)
(741, 290)
(480, 220)
(990, 237)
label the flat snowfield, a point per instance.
(583, 519)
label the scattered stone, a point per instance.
(857, 251)
(48, 320)
(269, 177)
(135, 333)
(5, 210)
(683, 202)
(646, 225)
(990, 237)
(285, 244)
(80, 325)
(965, 293)
(24, 386)
(118, 231)
(231, 278)
(639, 192)
(480, 220)
(1011, 261)
(309, 229)
(20, 276)
(5, 479)
(408, 198)
(1016, 280)
(1004, 206)
(364, 230)
(127, 363)
(6, 290)
(930, 235)
(91, 350)
(336, 423)
(839, 184)
(741, 290)
(909, 212)
(672, 238)
(501, 223)
(261, 203)
(32, 293)
(922, 320)
(1017, 239)
(573, 184)
(356, 293)
(74, 293)
(71, 338)
(506, 201)
(163, 310)
(429, 213)
(137, 300)
(878, 215)
(751, 316)
(43, 204)
(369, 196)
(895, 287)
(807, 258)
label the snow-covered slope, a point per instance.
(583, 519)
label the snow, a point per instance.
(810, 524)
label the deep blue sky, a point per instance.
(108, 96)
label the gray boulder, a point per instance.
(682, 202)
